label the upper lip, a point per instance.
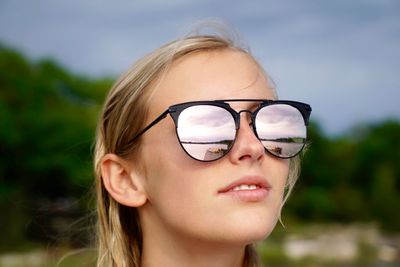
(247, 180)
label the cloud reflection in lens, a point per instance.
(206, 132)
(281, 129)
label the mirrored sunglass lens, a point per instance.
(206, 132)
(281, 129)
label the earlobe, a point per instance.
(122, 181)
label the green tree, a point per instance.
(47, 124)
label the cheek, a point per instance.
(277, 171)
(178, 199)
(170, 185)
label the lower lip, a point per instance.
(255, 195)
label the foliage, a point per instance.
(351, 178)
(47, 125)
(47, 122)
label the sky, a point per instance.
(342, 57)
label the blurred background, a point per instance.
(59, 58)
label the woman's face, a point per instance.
(191, 199)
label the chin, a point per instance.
(258, 225)
(247, 232)
(259, 234)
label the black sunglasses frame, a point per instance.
(175, 111)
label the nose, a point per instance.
(247, 147)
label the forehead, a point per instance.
(209, 75)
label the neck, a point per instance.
(162, 247)
(178, 254)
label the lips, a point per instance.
(248, 189)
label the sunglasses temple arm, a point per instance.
(159, 118)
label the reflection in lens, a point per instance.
(206, 132)
(281, 129)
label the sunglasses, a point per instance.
(207, 130)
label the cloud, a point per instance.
(341, 56)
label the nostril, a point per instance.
(245, 157)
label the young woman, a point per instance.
(194, 155)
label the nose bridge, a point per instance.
(249, 117)
(247, 144)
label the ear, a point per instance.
(122, 181)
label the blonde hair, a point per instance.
(119, 236)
